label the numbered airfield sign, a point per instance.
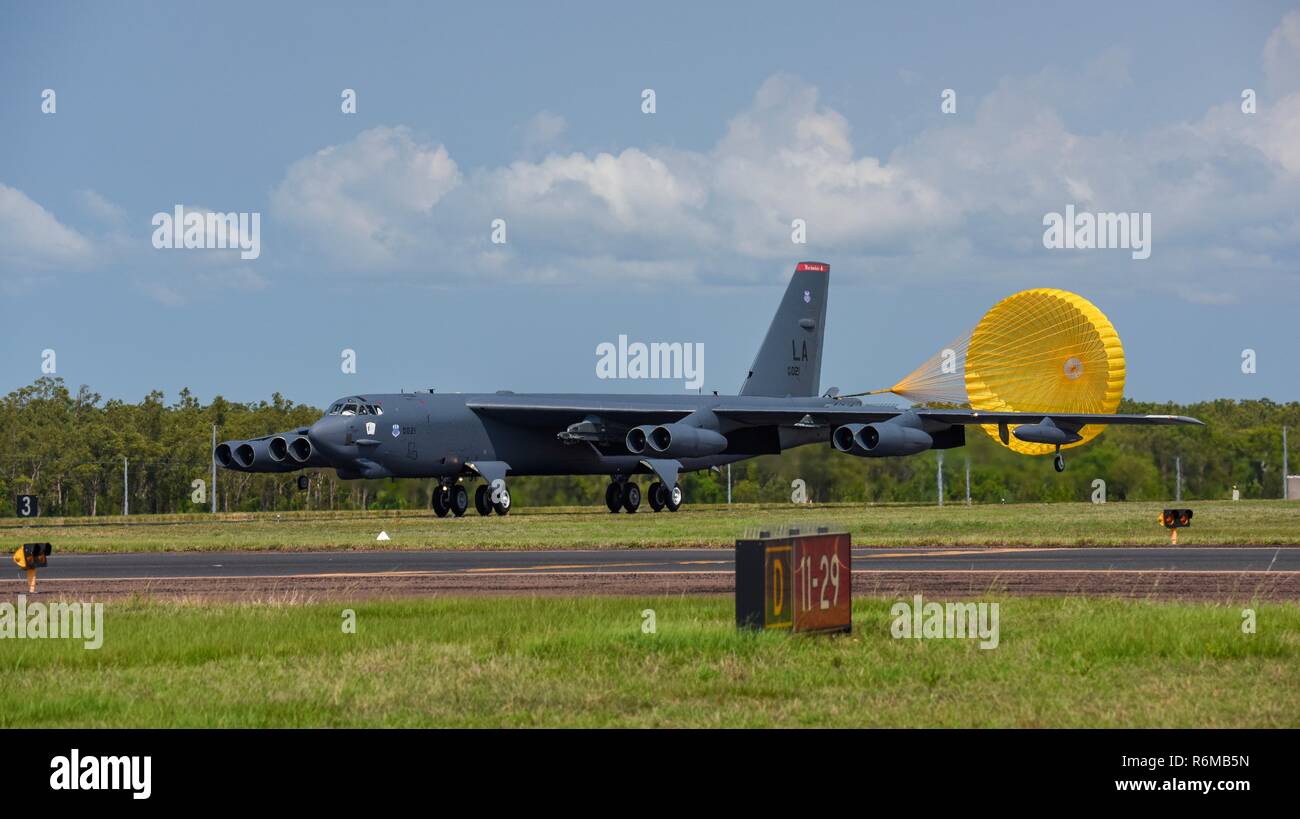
(28, 506)
(800, 582)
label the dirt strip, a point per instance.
(1208, 586)
(1155, 585)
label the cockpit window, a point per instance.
(354, 407)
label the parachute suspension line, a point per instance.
(941, 378)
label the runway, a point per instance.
(334, 564)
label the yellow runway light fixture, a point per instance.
(1173, 520)
(30, 557)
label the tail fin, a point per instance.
(790, 360)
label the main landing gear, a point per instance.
(661, 497)
(453, 498)
(624, 494)
(484, 503)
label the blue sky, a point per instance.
(671, 226)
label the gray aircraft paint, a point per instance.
(489, 435)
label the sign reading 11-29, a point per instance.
(820, 583)
(803, 583)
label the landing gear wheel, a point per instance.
(614, 497)
(481, 503)
(674, 501)
(1059, 462)
(631, 497)
(459, 500)
(302, 482)
(657, 495)
(502, 504)
(441, 501)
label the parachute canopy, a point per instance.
(1041, 350)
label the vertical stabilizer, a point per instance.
(790, 361)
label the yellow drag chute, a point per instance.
(1044, 350)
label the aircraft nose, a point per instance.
(327, 434)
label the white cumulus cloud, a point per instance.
(34, 241)
(364, 202)
(962, 197)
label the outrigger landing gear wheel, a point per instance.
(631, 497)
(302, 482)
(481, 503)
(441, 500)
(1059, 462)
(674, 501)
(459, 500)
(502, 504)
(614, 497)
(657, 495)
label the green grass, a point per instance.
(1054, 524)
(549, 661)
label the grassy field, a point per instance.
(545, 661)
(1055, 524)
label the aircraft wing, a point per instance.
(548, 411)
(820, 413)
(537, 411)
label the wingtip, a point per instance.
(1179, 419)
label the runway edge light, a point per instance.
(1173, 520)
(30, 557)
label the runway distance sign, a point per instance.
(28, 506)
(798, 582)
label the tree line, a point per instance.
(68, 448)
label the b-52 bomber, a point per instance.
(460, 438)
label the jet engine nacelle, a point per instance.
(290, 449)
(253, 456)
(901, 435)
(226, 453)
(685, 441)
(638, 439)
(250, 453)
(278, 449)
(845, 439)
